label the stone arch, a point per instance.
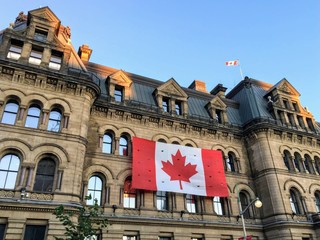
(293, 183)
(103, 170)
(104, 128)
(125, 130)
(313, 188)
(60, 102)
(16, 144)
(189, 141)
(34, 97)
(59, 152)
(122, 175)
(160, 136)
(244, 186)
(232, 149)
(282, 148)
(13, 93)
(175, 139)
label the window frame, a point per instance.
(9, 171)
(7, 112)
(123, 147)
(296, 202)
(108, 145)
(55, 61)
(162, 200)
(15, 49)
(36, 55)
(33, 120)
(118, 93)
(129, 194)
(45, 178)
(95, 190)
(191, 203)
(54, 120)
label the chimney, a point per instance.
(199, 86)
(219, 90)
(84, 52)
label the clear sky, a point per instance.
(192, 39)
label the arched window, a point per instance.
(286, 159)
(162, 140)
(107, 143)
(123, 146)
(191, 203)
(162, 200)
(176, 143)
(219, 205)
(9, 166)
(308, 164)
(45, 175)
(245, 201)
(295, 201)
(317, 200)
(231, 162)
(129, 194)
(54, 123)
(33, 116)
(317, 164)
(10, 112)
(94, 190)
(297, 159)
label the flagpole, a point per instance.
(240, 69)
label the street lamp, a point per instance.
(257, 203)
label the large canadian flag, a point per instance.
(175, 168)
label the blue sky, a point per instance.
(192, 39)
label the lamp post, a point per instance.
(257, 203)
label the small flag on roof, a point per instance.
(232, 63)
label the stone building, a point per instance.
(66, 126)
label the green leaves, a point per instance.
(81, 222)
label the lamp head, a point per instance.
(258, 203)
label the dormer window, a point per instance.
(36, 55)
(219, 115)
(40, 35)
(295, 106)
(165, 104)
(55, 60)
(15, 49)
(178, 108)
(118, 94)
(286, 103)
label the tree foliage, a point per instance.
(89, 221)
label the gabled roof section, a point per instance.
(120, 78)
(44, 13)
(284, 87)
(173, 88)
(217, 103)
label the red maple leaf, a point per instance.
(178, 170)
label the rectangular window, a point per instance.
(55, 60)
(127, 237)
(35, 232)
(191, 203)
(219, 115)
(300, 121)
(36, 55)
(286, 103)
(165, 104)
(310, 124)
(118, 94)
(40, 35)
(15, 49)
(178, 108)
(295, 106)
(162, 200)
(2, 230)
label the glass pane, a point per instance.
(5, 162)
(90, 201)
(55, 115)
(9, 118)
(11, 180)
(106, 148)
(91, 183)
(32, 122)
(97, 195)
(11, 107)
(3, 176)
(53, 126)
(98, 185)
(15, 162)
